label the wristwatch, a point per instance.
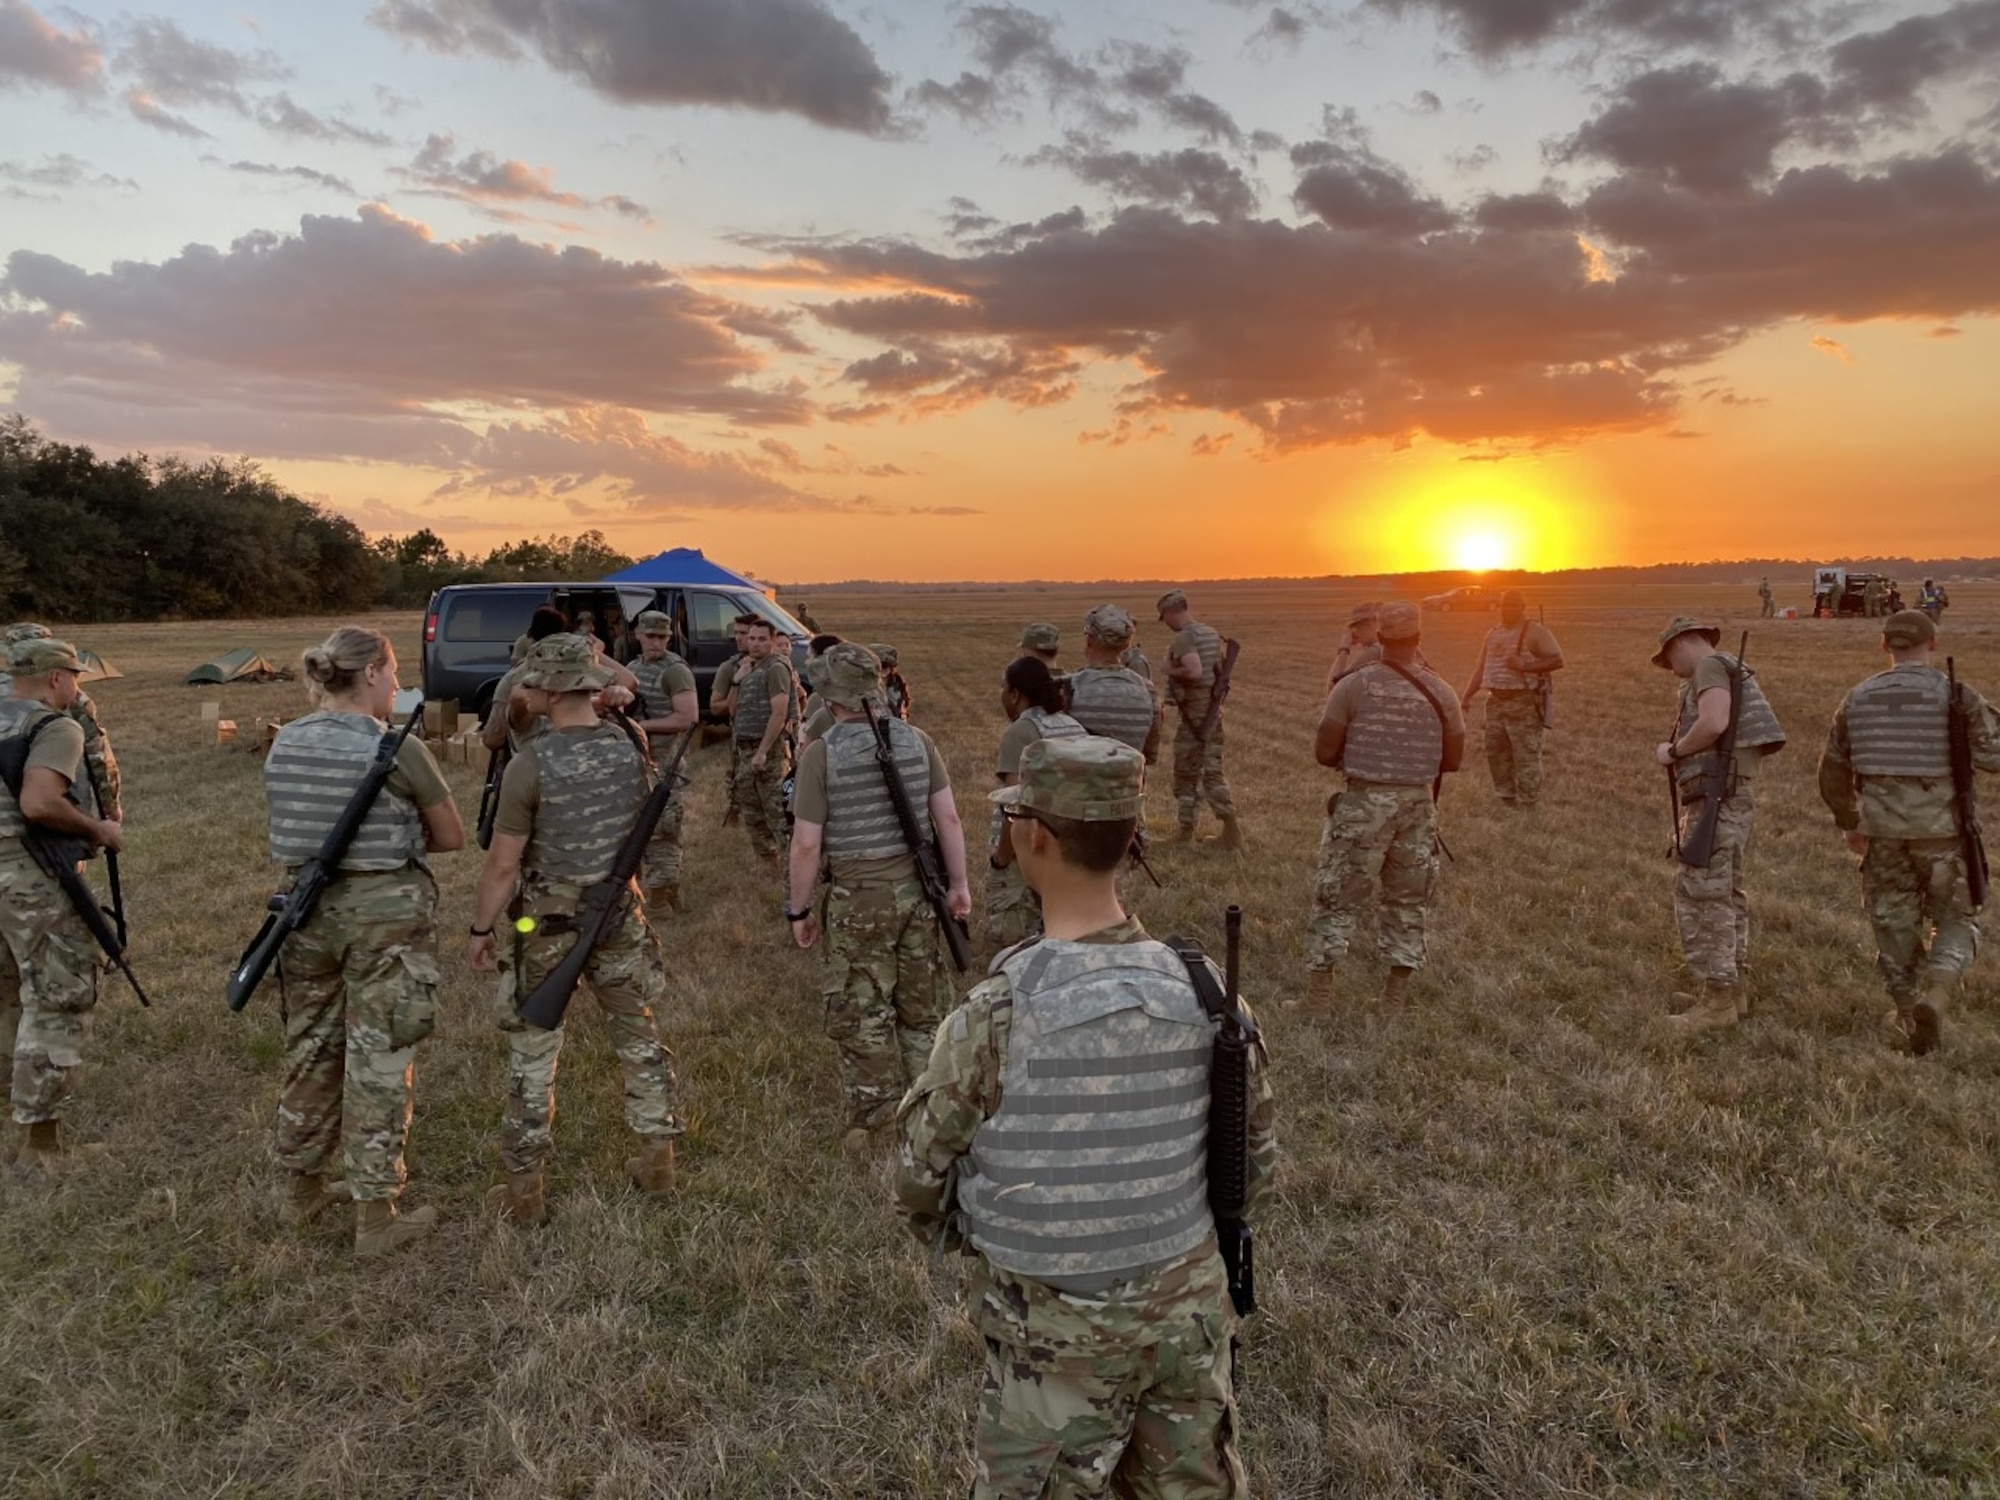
(797, 916)
(480, 931)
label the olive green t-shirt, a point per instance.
(1713, 672)
(417, 775)
(809, 805)
(58, 747)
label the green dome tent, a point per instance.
(238, 666)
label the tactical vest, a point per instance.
(1114, 702)
(1134, 660)
(860, 818)
(652, 677)
(17, 717)
(315, 765)
(1502, 642)
(1756, 727)
(1094, 1168)
(593, 786)
(1396, 736)
(1898, 724)
(753, 703)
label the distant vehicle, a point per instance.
(1465, 596)
(1839, 593)
(470, 628)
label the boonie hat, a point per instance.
(851, 677)
(653, 622)
(1679, 626)
(1089, 779)
(39, 654)
(1041, 637)
(563, 664)
(1109, 624)
(814, 672)
(1907, 628)
(885, 654)
(28, 630)
(1400, 621)
(1171, 599)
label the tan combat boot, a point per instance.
(1184, 834)
(652, 1170)
(1231, 836)
(1714, 1009)
(312, 1195)
(662, 899)
(379, 1228)
(1319, 991)
(1927, 1019)
(520, 1199)
(45, 1153)
(1396, 991)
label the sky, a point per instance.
(1142, 288)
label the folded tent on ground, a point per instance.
(238, 666)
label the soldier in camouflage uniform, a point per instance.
(1361, 644)
(566, 804)
(1710, 906)
(360, 978)
(1133, 659)
(1886, 775)
(1098, 1288)
(766, 703)
(882, 975)
(896, 694)
(722, 697)
(1105, 696)
(1033, 703)
(48, 960)
(101, 777)
(1767, 602)
(671, 709)
(1193, 658)
(1393, 727)
(1514, 666)
(1042, 641)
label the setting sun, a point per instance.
(1481, 552)
(1444, 515)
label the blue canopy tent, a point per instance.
(683, 565)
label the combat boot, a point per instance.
(1396, 990)
(662, 899)
(1231, 836)
(1319, 991)
(1714, 1009)
(652, 1170)
(379, 1228)
(1927, 1019)
(45, 1153)
(1896, 1022)
(1184, 834)
(520, 1199)
(312, 1195)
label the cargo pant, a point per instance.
(1921, 909)
(761, 796)
(883, 978)
(1710, 908)
(359, 990)
(624, 976)
(1119, 1395)
(663, 852)
(1514, 745)
(1013, 910)
(1374, 833)
(48, 984)
(1198, 772)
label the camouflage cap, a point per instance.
(1172, 599)
(1109, 624)
(1907, 628)
(814, 672)
(1400, 621)
(1088, 778)
(851, 677)
(27, 630)
(885, 654)
(563, 664)
(1361, 614)
(1041, 637)
(653, 622)
(38, 654)
(1679, 626)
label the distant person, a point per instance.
(1042, 641)
(1359, 644)
(1767, 599)
(1872, 598)
(1711, 909)
(1514, 667)
(764, 725)
(1894, 603)
(895, 686)
(618, 639)
(1033, 704)
(1107, 697)
(1392, 728)
(1933, 600)
(805, 618)
(102, 779)
(1194, 674)
(668, 707)
(1886, 774)
(361, 977)
(722, 700)
(48, 959)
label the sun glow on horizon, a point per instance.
(1442, 517)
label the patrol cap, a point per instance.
(1172, 599)
(1513, 596)
(38, 654)
(851, 677)
(27, 630)
(653, 622)
(563, 664)
(1907, 628)
(1088, 779)
(1400, 621)
(885, 654)
(1041, 637)
(1679, 626)
(1361, 614)
(1109, 624)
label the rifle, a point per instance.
(1700, 846)
(1137, 854)
(1674, 797)
(602, 904)
(58, 856)
(489, 795)
(1545, 688)
(1228, 1108)
(1218, 693)
(291, 910)
(1972, 845)
(930, 868)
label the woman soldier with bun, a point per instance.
(360, 978)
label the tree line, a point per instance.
(138, 538)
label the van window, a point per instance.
(491, 617)
(710, 615)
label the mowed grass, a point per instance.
(1523, 1244)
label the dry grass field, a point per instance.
(1523, 1244)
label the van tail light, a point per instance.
(430, 627)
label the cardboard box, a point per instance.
(440, 718)
(225, 732)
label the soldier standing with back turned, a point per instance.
(1193, 658)
(1105, 696)
(1514, 667)
(1886, 774)
(667, 691)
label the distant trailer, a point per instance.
(1839, 593)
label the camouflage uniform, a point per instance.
(1197, 761)
(1134, 660)
(659, 683)
(725, 682)
(101, 775)
(1514, 709)
(359, 980)
(1768, 604)
(1013, 912)
(896, 693)
(761, 794)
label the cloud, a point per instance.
(1889, 69)
(1349, 187)
(173, 68)
(480, 177)
(1832, 348)
(1494, 28)
(1200, 181)
(35, 52)
(310, 175)
(147, 111)
(281, 115)
(777, 56)
(61, 171)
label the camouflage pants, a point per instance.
(884, 982)
(1088, 1397)
(730, 802)
(1374, 833)
(1198, 773)
(1769, 611)
(1013, 911)
(663, 853)
(1710, 908)
(624, 975)
(1514, 746)
(761, 796)
(1921, 910)
(360, 991)
(48, 983)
